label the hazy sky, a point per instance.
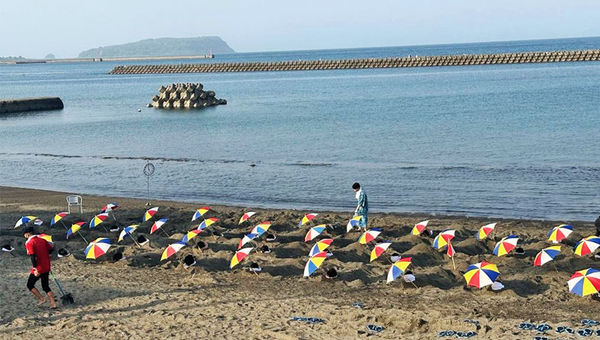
(34, 28)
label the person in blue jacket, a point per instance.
(362, 209)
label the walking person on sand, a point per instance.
(362, 208)
(39, 250)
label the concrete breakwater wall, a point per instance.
(30, 104)
(392, 62)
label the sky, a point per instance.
(35, 28)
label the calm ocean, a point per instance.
(501, 140)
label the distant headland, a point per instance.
(161, 47)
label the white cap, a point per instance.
(409, 278)
(497, 286)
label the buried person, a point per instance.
(39, 251)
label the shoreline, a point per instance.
(100, 200)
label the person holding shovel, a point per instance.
(39, 250)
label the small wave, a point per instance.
(310, 164)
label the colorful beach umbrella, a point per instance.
(246, 216)
(247, 238)
(307, 218)
(587, 245)
(46, 237)
(149, 213)
(190, 235)
(546, 255)
(75, 227)
(239, 256)
(199, 213)
(157, 225)
(585, 282)
(441, 240)
(206, 223)
(485, 231)
(314, 232)
(398, 268)
(319, 247)
(59, 216)
(369, 235)
(419, 227)
(314, 263)
(261, 228)
(559, 233)
(481, 274)
(379, 249)
(127, 232)
(97, 248)
(171, 250)
(354, 222)
(109, 207)
(24, 220)
(506, 245)
(98, 219)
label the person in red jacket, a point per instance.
(39, 250)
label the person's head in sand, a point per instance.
(39, 251)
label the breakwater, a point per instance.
(30, 104)
(391, 62)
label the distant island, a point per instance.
(161, 47)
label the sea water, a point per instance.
(495, 140)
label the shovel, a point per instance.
(65, 298)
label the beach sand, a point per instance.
(141, 297)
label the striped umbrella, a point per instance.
(319, 247)
(199, 213)
(247, 238)
(307, 218)
(157, 225)
(97, 248)
(172, 249)
(369, 235)
(239, 256)
(506, 245)
(379, 249)
(398, 268)
(109, 207)
(24, 220)
(587, 245)
(127, 232)
(149, 213)
(190, 235)
(75, 227)
(354, 222)
(559, 233)
(206, 223)
(546, 255)
(246, 216)
(314, 263)
(314, 232)
(485, 231)
(98, 219)
(481, 274)
(59, 216)
(441, 240)
(261, 228)
(419, 227)
(585, 282)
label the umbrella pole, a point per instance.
(84, 240)
(136, 242)
(167, 235)
(64, 225)
(414, 285)
(453, 264)
(105, 229)
(554, 265)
